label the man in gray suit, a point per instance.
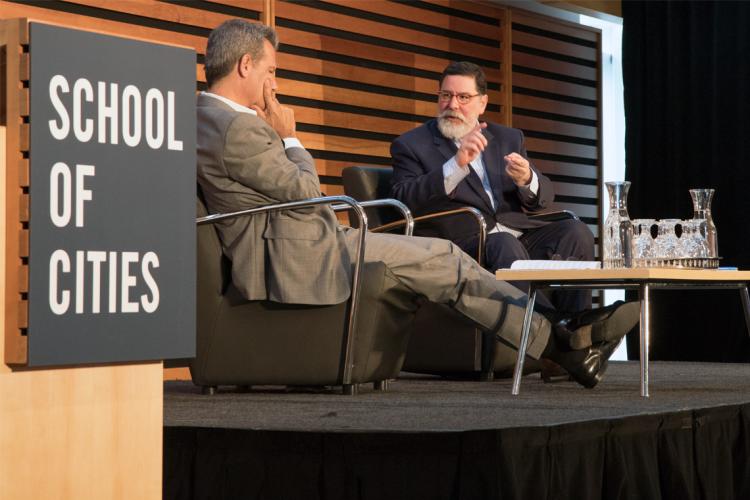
(248, 156)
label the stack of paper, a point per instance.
(556, 264)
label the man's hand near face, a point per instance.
(472, 145)
(280, 118)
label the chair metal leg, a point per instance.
(350, 389)
(746, 306)
(380, 385)
(209, 390)
(644, 293)
(488, 347)
(518, 373)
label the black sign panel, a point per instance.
(112, 193)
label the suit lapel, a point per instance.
(448, 149)
(494, 166)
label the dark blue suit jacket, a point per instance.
(418, 158)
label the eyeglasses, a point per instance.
(445, 96)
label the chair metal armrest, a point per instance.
(353, 205)
(407, 222)
(553, 216)
(475, 213)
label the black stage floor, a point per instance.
(433, 438)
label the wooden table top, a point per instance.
(624, 274)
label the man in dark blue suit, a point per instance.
(455, 161)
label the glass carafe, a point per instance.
(702, 210)
(618, 229)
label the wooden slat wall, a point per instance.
(169, 21)
(358, 74)
(556, 72)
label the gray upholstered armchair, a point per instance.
(246, 343)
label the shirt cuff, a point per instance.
(532, 188)
(292, 142)
(453, 175)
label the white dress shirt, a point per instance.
(453, 174)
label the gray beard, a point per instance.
(451, 131)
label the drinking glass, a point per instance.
(643, 242)
(693, 239)
(666, 239)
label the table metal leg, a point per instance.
(746, 306)
(644, 293)
(524, 340)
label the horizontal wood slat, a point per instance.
(416, 14)
(181, 14)
(385, 79)
(23, 243)
(554, 66)
(484, 8)
(567, 169)
(351, 72)
(23, 137)
(332, 189)
(551, 45)
(527, 123)
(587, 36)
(24, 67)
(23, 102)
(554, 86)
(23, 279)
(330, 142)
(23, 314)
(545, 105)
(334, 168)
(561, 148)
(303, 12)
(23, 172)
(587, 211)
(23, 208)
(10, 10)
(354, 97)
(578, 190)
(350, 48)
(351, 121)
(256, 5)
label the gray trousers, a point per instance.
(441, 272)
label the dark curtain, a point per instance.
(691, 455)
(686, 70)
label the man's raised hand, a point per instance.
(471, 146)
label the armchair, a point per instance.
(245, 343)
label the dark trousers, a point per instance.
(568, 239)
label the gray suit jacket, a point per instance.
(292, 257)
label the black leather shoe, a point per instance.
(587, 366)
(594, 326)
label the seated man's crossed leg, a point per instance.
(441, 272)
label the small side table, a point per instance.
(641, 279)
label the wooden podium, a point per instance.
(83, 432)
